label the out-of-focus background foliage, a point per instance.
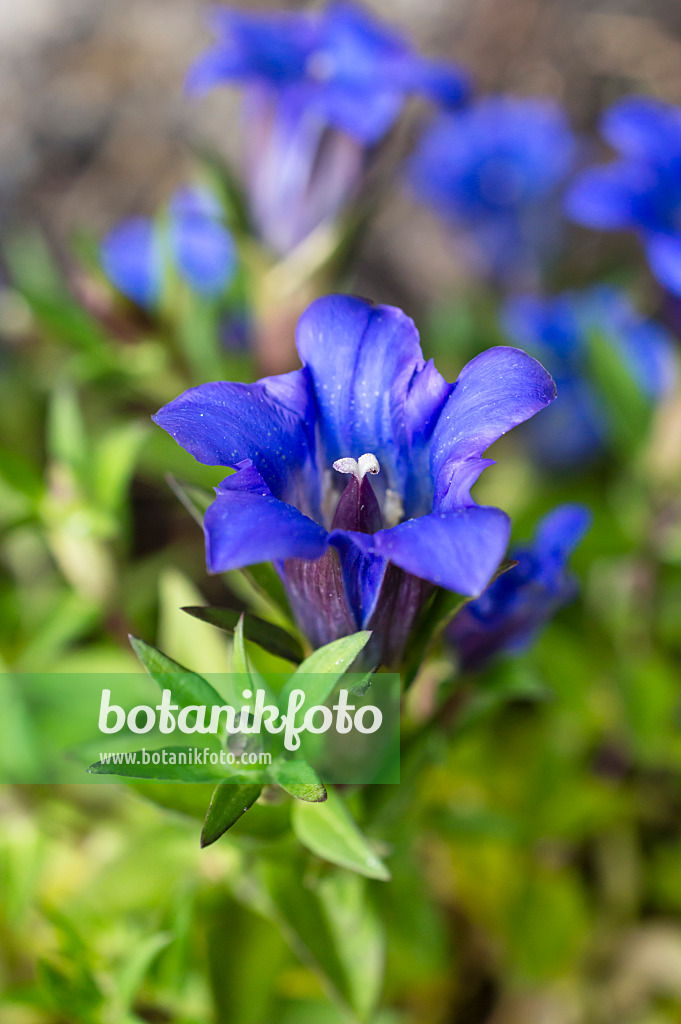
(536, 849)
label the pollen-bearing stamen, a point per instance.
(367, 463)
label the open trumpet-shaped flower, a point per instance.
(511, 612)
(321, 89)
(353, 474)
(640, 191)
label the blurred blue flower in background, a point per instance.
(492, 171)
(641, 191)
(354, 554)
(559, 331)
(512, 611)
(321, 88)
(194, 238)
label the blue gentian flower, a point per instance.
(353, 474)
(321, 89)
(492, 171)
(558, 331)
(640, 191)
(195, 238)
(512, 611)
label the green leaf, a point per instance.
(329, 831)
(240, 662)
(186, 687)
(227, 805)
(299, 779)
(319, 673)
(358, 935)
(66, 433)
(114, 463)
(265, 634)
(165, 772)
(195, 499)
(134, 969)
(266, 581)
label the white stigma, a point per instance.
(358, 467)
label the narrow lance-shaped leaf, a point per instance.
(265, 634)
(329, 831)
(227, 805)
(186, 687)
(195, 499)
(241, 665)
(167, 772)
(319, 673)
(298, 779)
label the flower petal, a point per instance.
(664, 256)
(460, 550)
(638, 125)
(222, 424)
(204, 250)
(604, 197)
(243, 528)
(374, 390)
(131, 259)
(561, 531)
(496, 391)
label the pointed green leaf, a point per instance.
(299, 779)
(329, 831)
(166, 772)
(134, 968)
(66, 434)
(114, 463)
(227, 805)
(265, 579)
(195, 499)
(319, 673)
(265, 634)
(186, 687)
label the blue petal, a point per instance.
(371, 69)
(561, 531)
(204, 251)
(641, 126)
(605, 197)
(223, 424)
(374, 390)
(551, 325)
(443, 84)
(460, 550)
(131, 258)
(363, 572)
(496, 391)
(244, 528)
(213, 68)
(664, 256)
